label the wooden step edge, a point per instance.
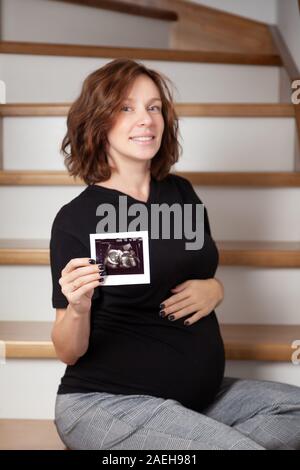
(29, 434)
(30, 349)
(271, 110)
(260, 258)
(202, 178)
(173, 55)
(24, 257)
(256, 254)
(241, 178)
(242, 342)
(260, 342)
(128, 8)
(262, 352)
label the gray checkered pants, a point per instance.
(246, 414)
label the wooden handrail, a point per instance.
(294, 74)
(286, 57)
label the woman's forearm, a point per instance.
(220, 289)
(70, 335)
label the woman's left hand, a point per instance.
(198, 296)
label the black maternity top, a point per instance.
(132, 350)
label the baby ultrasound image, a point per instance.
(121, 256)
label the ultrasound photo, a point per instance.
(121, 255)
(124, 256)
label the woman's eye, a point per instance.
(158, 108)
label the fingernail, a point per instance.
(186, 323)
(161, 305)
(162, 313)
(171, 317)
(92, 261)
(101, 279)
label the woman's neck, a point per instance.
(137, 187)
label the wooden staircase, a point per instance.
(259, 44)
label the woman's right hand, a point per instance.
(78, 281)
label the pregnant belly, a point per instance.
(187, 366)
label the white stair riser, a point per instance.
(259, 295)
(20, 401)
(235, 214)
(35, 78)
(209, 144)
(237, 144)
(252, 295)
(262, 214)
(284, 372)
(61, 23)
(28, 388)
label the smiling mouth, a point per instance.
(142, 139)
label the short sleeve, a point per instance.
(195, 198)
(64, 247)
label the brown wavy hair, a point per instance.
(92, 115)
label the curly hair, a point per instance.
(93, 113)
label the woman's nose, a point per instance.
(145, 117)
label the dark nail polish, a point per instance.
(101, 279)
(186, 323)
(161, 305)
(162, 313)
(92, 261)
(171, 317)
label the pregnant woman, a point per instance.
(145, 362)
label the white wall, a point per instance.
(289, 25)
(261, 10)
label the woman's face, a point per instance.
(140, 115)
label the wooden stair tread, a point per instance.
(29, 434)
(242, 342)
(175, 55)
(130, 8)
(182, 109)
(203, 178)
(232, 253)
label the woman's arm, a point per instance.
(70, 334)
(219, 289)
(71, 330)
